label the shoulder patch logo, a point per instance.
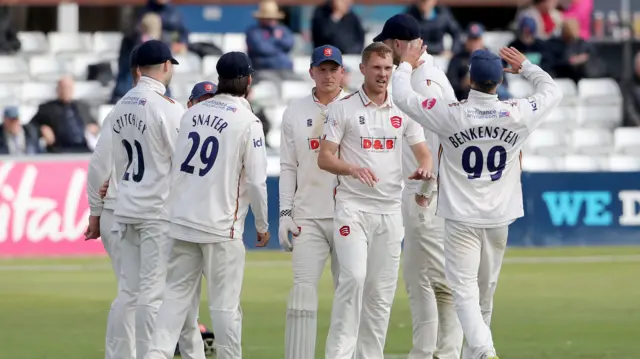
(429, 103)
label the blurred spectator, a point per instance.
(149, 28)
(546, 15)
(458, 71)
(569, 56)
(269, 44)
(335, 24)
(174, 33)
(66, 124)
(527, 42)
(581, 10)
(346, 81)
(632, 97)
(16, 139)
(435, 21)
(9, 42)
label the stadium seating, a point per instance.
(582, 134)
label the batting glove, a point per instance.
(287, 225)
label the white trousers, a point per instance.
(311, 249)
(368, 247)
(436, 328)
(111, 244)
(473, 260)
(223, 267)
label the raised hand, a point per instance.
(514, 58)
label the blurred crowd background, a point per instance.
(62, 66)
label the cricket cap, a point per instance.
(234, 65)
(485, 67)
(326, 53)
(154, 52)
(201, 89)
(399, 27)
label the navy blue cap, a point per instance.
(154, 52)
(485, 67)
(11, 112)
(399, 27)
(133, 59)
(528, 23)
(201, 89)
(475, 30)
(326, 53)
(234, 65)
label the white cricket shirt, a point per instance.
(370, 136)
(100, 169)
(304, 187)
(144, 125)
(221, 169)
(481, 138)
(429, 81)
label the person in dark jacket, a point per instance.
(269, 44)
(435, 21)
(458, 71)
(632, 97)
(335, 24)
(17, 139)
(9, 42)
(65, 123)
(568, 55)
(527, 42)
(174, 32)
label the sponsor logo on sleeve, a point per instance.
(361, 120)
(142, 102)
(533, 103)
(504, 113)
(258, 142)
(428, 103)
(345, 231)
(396, 121)
(309, 122)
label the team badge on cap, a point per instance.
(396, 121)
(208, 87)
(328, 52)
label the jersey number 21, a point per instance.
(475, 170)
(208, 154)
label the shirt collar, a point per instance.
(235, 99)
(152, 84)
(478, 96)
(315, 99)
(366, 101)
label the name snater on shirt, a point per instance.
(484, 132)
(216, 122)
(129, 120)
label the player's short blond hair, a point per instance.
(377, 48)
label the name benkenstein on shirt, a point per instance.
(484, 132)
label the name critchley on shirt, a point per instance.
(129, 120)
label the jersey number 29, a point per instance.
(475, 171)
(137, 175)
(208, 154)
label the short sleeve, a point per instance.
(413, 132)
(334, 124)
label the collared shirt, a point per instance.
(429, 81)
(482, 139)
(371, 136)
(221, 170)
(144, 126)
(304, 187)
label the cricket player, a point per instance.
(436, 328)
(480, 193)
(222, 170)
(306, 210)
(122, 344)
(144, 125)
(369, 131)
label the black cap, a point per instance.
(154, 52)
(133, 59)
(234, 65)
(399, 27)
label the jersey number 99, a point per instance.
(137, 175)
(475, 171)
(208, 154)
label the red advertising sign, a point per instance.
(44, 209)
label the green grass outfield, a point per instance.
(578, 303)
